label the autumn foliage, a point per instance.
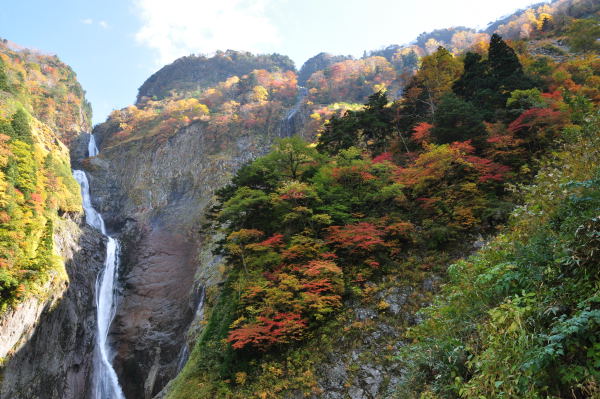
(251, 102)
(40, 102)
(385, 180)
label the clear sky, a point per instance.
(114, 45)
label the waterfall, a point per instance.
(198, 316)
(92, 148)
(105, 378)
(287, 127)
(302, 93)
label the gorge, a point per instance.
(106, 383)
(420, 222)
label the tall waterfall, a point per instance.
(106, 383)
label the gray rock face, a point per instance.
(295, 119)
(361, 364)
(17, 324)
(158, 267)
(78, 150)
(53, 359)
(153, 194)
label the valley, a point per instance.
(420, 222)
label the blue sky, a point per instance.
(114, 45)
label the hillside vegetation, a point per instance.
(40, 102)
(392, 193)
(194, 73)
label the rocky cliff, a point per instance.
(155, 194)
(195, 123)
(52, 335)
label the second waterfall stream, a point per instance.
(106, 383)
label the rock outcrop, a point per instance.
(52, 334)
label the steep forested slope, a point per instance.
(330, 250)
(520, 318)
(40, 102)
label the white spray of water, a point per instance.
(302, 93)
(92, 148)
(105, 379)
(287, 124)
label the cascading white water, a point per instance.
(92, 148)
(105, 379)
(302, 93)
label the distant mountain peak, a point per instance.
(195, 72)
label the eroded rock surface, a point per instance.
(55, 349)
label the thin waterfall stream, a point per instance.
(184, 354)
(106, 382)
(287, 128)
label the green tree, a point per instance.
(505, 69)
(437, 74)
(340, 133)
(522, 100)
(475, 84)
(434, 78)
(8, 289)
(259, 175)
(21, 127)
(246, 209)
(488, 83)
(6, 128)
(45, 249)
(22, 169)
(292, 157)
(503, 60)
(375, 122)
(372, 128)
(457, 120)
(4, 84)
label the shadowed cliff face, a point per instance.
(154, 195)
(54, 358)
(159, 267)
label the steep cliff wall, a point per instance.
(155, 195)
(159, 166)
(52, 358)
